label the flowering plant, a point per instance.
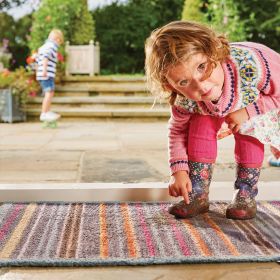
(22, 83)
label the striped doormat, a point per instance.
(91, 234)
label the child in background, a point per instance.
(45, 72)
(210, 82)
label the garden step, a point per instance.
(99, 101)
(85, 113)
(102, 87)
(100, 93)
(109, 79)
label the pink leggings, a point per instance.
(202, 143)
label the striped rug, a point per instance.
(91, 234)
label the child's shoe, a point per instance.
(198, 205)
(200, 176)
(43, 117)
(243, 205)
(49, 116)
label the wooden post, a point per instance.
(67, 58)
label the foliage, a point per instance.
(68, 16)
(83, 26)
(194, 10)
(122, 30)
(16, 34)
(262, 21)
(224, 18)
(21, 81)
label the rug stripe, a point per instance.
(273, 209)
(269, 213)
(104, 246)
(267, 219)
(74, 232)
(30, 243)
(250, 227)
(238, 235)
(17, 233)
(118, 243)
(145, 230)
(6, 228)
(48, 228)
(89, 246)
(178, 235)
(197, 238)
(150, 215)
(170, 242)
(129, 232)
(62, 249)
(269, 226)
(54, 240)
(221, 234)
(5, 210)
(252, 238)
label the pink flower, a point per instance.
(60, 57)
(204, 173)
(242, 175)
(32, 93)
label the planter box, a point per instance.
(11, 109)
(83, 59)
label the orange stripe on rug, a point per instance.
(104, 246)
(129, 231)
(221, 234)
(74, 232)
(18, 231)
(197, 238)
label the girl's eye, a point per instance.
(202, 66)
(183, 83)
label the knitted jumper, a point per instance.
(252, 82)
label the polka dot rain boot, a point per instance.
(200, 176)
(243, 205)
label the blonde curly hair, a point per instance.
(177, 42)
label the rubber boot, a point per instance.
(200, 176)
(243, 205)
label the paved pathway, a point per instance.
(103, 151)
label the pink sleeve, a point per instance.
(177, 136)
(269, 98)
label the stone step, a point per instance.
(100, 93)
(96, 113)
(102, 87)
(108, 79)
(99, 102)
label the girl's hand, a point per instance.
(180, 185)
(236, 119)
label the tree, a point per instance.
(195, 10)
(262, 21)
(122, 28)
(225, 18)
(83, 26)
(66, 15)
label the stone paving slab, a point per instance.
(76, 151)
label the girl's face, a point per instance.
(188, 79)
